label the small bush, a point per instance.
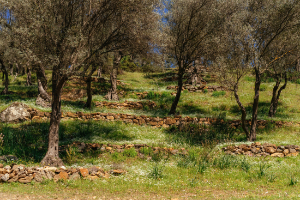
(225, 162)
(245, 165)
(205, 91)
(130, 152)
(117, 157)
(298, 81)
(146, 150)
(156, 172)
(218, 93)
(293, 181)
(262, 169)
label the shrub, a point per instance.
(130, 152)
(156, 172)
(146, 150)
(205, 91)
(218, 93)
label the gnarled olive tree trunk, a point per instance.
(52, 156)
(276, 95)
(112, 93)
(179, 89)
(251, 135)
(28, 80)
(244, 112)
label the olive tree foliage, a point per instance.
(192, 27)
(67, 34)
(254, 42)
(282, 61)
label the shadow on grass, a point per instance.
(197, 134)
(18, 94)
(160, 75)
(29, 141)
(263, 110)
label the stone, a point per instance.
(15, 112)
(170, 121)
(5, 177)
(56, 177)
(270, 150)
(63, 175)
(108, 148)
(1, 165)
(92, 178)
(174, 152)
(286, 151)
(13, 179)
(117, 172)
(293, 151)
(75, 176)
(49, 174)
(254, 150)
(277, 155)
(53, 169)
(84, 172)
(27, 179)
(38, 177)
(292, 154)
(110, 118)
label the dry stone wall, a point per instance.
(34, 114)
(192, 88)
(22, 174)
(266, 149)
(127, 104)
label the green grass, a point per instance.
(205, 172)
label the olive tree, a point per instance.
(67, 34)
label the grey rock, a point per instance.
(15, 113)
(38, 177)
(75, 176)
(5, 177)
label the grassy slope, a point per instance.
(223, 177)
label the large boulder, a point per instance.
(16, 112)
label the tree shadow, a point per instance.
(29, 141)
(197, 134)
(263, 110)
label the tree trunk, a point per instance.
(5, 76)
(244, 113)
(89, 93)
(52, 156)
(6, 81)
(179, 89)
(276, 95)
(11, 70)
(112, 94)
(252, 135)
(40, 74)
(43, 93)
(99, 75)
(28, 81)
